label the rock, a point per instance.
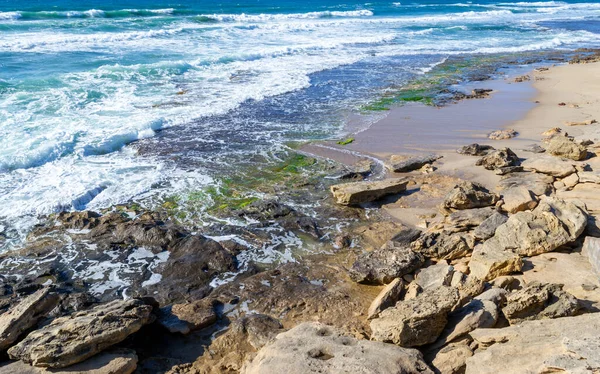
(552, 132)
(534, 148)
(487, 228)
(480, 93)
(475, 149)
(381, 266)
(403, 164)
(538, 301)
(75, 338)
(357, 193)
(508, 170)
(572, 180)
(360, 170)
(434, 276)
(548, 165)
(586, 195)
(442, 246)
(189, 316)
(589, 177)
(518, 199)
(116, 361)
(452, 359)
(591, 246)
(463, 220)
(488, 262)
(503, 134)
(418, 321)
(468, 195)
(468, 286)
(568, 345)
(375, 235)
(25, 315)
(522, 78)
(564, 147)
(386, 298)
(581, 123)
(499, 158)
(317, 348)
(539, 184)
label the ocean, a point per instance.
(109, 102)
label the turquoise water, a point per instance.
(106, 101)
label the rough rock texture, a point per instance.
(503, 134)
(357, 193)
(564, 147)
(317, 348)
(399, 164)
(491, 260)
(381, 266)
(592, 248)
(388, 296)
(25, 315)
(463, 220)
(443, 246)
(186, 317)
(563, 345)
(452, 359)
(468, 195)
(358, 171)
(549, 165)
(586, 195)
(539, 301)
(417, 321)
(116, 361)
(435, 276)
(72, 339)
(539, 184)
(475, 149)
(499, 158)
(518, 199)
(487, 228)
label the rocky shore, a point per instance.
(485, 259)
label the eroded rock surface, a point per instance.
(405, 164)
(357, 193)
(381, 266)
(539, 301)
(468, 195)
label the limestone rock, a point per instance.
(399, 164)
(435, 276)
(534, 148)
(452, 359)
(538, 301)
(503, 134)
(25, 315)
(358, 171)
(499, 158)
(589, 177)
(564, 147)
(317, 348)
(357, 193)
(388, 296)
(468, 195)
(592, 247)
(75, 338)
(571, 181)
(381, 266)
(539, 184)
(418, 321)
(475, 149)
(549, 165)
(487, 228)
(490, 261)
(463, 220)
(518, 199)
(189, 316)
(569, 344)
(443, 246)
(116, 361)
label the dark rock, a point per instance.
(443, 246)
(381, 266)
(411, 163)
(499, 158)
(475, 149)
(468, 195)
(487, 229)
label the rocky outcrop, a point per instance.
(357, 193)
(388, 296)
(399, 164)
(539, 301)
(75, 338)
(317, 348)
(518, 199)
(499, 158)
(25, 315)
(381, 266)
(567, 344)
(418, 321)
(549, 165)
(468, 195)
(564, 147)
(442, 246)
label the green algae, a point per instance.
(346, 141)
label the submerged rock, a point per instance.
(399, 164)
(357, 193)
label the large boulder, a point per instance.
(564, 147)
(381, 266)
(539, 301)
(399, 164)
(491, 260)
(549, 165)
(417, 321)
(563, 345)
(539, 184)
(518, 199)
(468, 195)
(75, 338)
(25, 315)
(442, 246)
(499, 158)
(357, 193)
(317, 348)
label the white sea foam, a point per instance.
(274, 17)
(10, 15)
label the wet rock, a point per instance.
(189, 316)
(25, 315)
(75, 338)
(539, 301)
(503, 134)
(84, 220)
(360, 170)
(518, 199)
(487, 228)
(381, 266)
(418, 321)
(591, 247)
(499, 158)
(317, 348)
(403, 164)
(548, 165)
(443, 246)
(357, 193)
(468, 195)
(388, 296)
(480, 93)
(435, 276)
(267, 211)
(116, 361)
(564, 147)
(567, 344)
(539, 184)
(475, 149)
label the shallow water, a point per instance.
(207, 88)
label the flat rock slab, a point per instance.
(400, 164)
(566, 345)
(518, 199)
(388, 296)
(318, 348)
(118, 361)
(591, 247)
(73, 339)
(364, 192)
(539, 184)
(549, 165)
